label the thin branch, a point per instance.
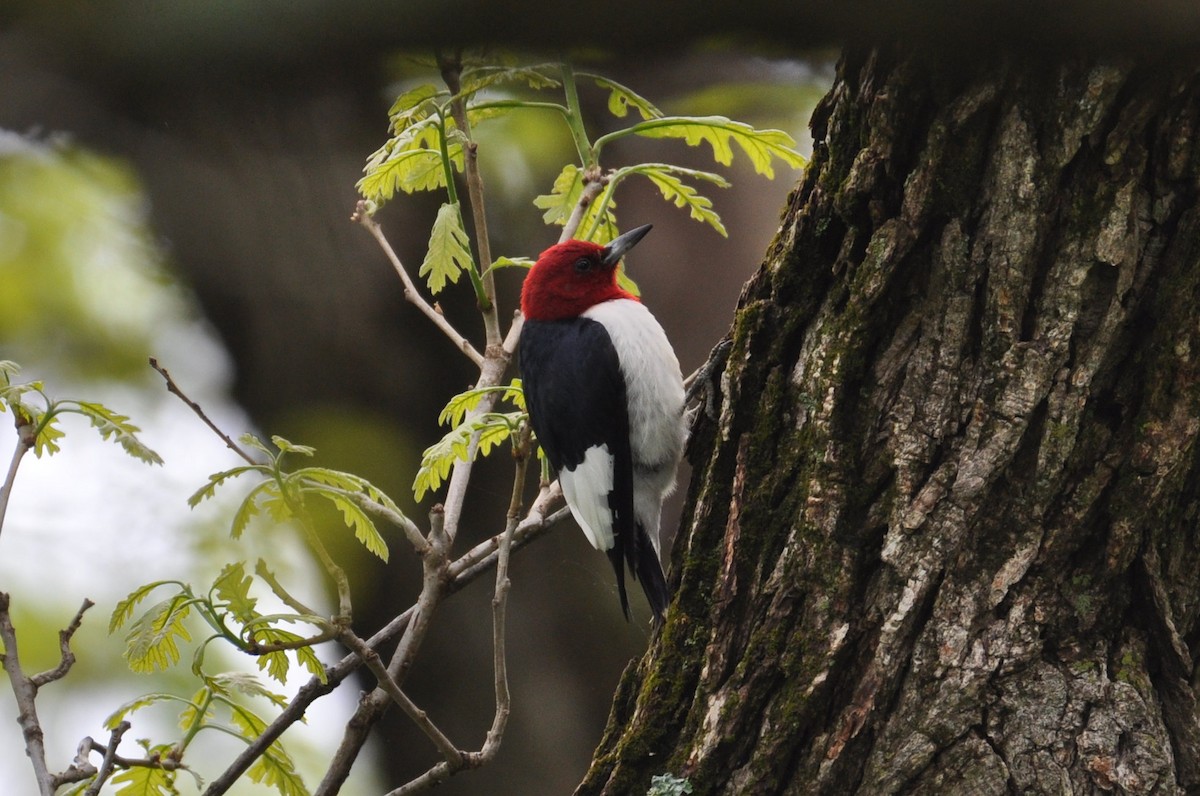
(387, 684)
(26, 695)
(410, 289)
(372, 707)
(67, 659)
(26, 436)
(594, 182)
(451, 68)
(173, 388)
(491, 374)
(283, 594)
(332, 568)
(110, 759)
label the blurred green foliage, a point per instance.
(81, 283)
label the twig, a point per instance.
(26, 695)
(491, 745)
(26, 436)
(387, 684)
(372, 707)
(451, 69)
(594, 182)
(173, 388)
(410, 290)
(67, 659)
(110, 759)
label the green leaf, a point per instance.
(118, 715)
(151, 643)
(124, 609)
(286, 446)
(252, 441)
(191, 717)
(216, 479)
(492, 428)
(233, 587)
(667, 179)
(357, 520)
(563, 197)
(449, 249)
(349, 482)
(410, 162)
(762, 146)
(458, 406)
(251, 506)
(145, 781)
(509, 262)
(536, 77)
(48, 435)
(412, 106)
(560, 203)
(117, 427)
(622, 98)
(275, 768)
(246, 683)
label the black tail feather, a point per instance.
(647, 570)
(617, 559)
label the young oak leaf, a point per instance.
(151, 644)
(233, 587)
(145, 781)
(563, 196)
(275, 768)
(622, 98)
(449, 249)
(116, 427)
(492, 427)
(762, 146)
(667, 179)
(458, 406)
(124, 610)
(145, 700)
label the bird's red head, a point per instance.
(569, 278)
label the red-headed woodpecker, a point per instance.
(605, 397)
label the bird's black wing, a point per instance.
(575, 394)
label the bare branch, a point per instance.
(64, 644)
(25, 441)
(594, 182)
(371, 658)
(173, 388)
(110, 759)
(410, 289)
(26, 695)
(372, 707)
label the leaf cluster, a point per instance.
(487, 429)
(38, 419)
(425, 150)
(229, 611)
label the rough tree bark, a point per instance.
(942, 536)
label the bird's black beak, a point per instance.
(613, 252)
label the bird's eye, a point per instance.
(583, 265)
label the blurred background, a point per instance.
(180, 186)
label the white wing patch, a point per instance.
(586, 489)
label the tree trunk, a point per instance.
(942, 533)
